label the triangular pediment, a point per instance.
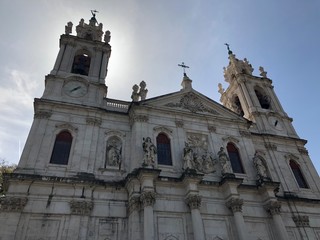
(191, 102)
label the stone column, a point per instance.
(133, 188)
(104, 65)
(235, 205)
(146, 177)
(194, 202)
(273, 207)
(133, 219)
(148, 199)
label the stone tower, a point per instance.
(81, 66)
(253, 97)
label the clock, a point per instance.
(275, 123)
(75, 89)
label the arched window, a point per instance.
(81, 64)
(61, 149)
(163, 149)
(264, 99)
(298, 174)
(234, 158)
(237, 106)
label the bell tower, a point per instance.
(254, 98)
(79, 72)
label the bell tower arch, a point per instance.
(253, 97)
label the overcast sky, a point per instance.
(149, 38)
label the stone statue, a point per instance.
(107, 37)
(224, 162)
(188, 157)
(221, 89)
(143, 91)
(68, 28)
(263, 73)
(207, 163)
(114, 150)
(150, 152)
(260, 167)
(135, 94)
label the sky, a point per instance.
(150, 38)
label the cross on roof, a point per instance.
(184, 67)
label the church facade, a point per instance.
(174, 167)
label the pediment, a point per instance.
(190, 102)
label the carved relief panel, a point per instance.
(196, 154)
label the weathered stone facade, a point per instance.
(178, 166)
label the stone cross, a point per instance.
(184, 67)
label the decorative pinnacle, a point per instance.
(184, 68)
(228, 47)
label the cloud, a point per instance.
(17, 92)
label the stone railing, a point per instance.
(116, 105)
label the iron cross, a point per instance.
(184, 67)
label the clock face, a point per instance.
(275, 123)
(75, 89)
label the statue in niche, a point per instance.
(150, 152)
(187, 157)
(135, 94)
(224, 162)
(114, 151)
(261, 168)
(143, 91)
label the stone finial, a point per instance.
(186, 82)
(143, 91)
(221, 89)
(107, 36)
(68, 28)
(263, 73)
(135, 95)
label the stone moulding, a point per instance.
(193, 103)
(93, 121)
(13, 204)
(81, 207)
(301, 221)
(42, 114)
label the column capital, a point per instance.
(235, 204)
(273, 207)
(148, 198)
(134, 204)
(193, 201)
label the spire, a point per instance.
(186, 81)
